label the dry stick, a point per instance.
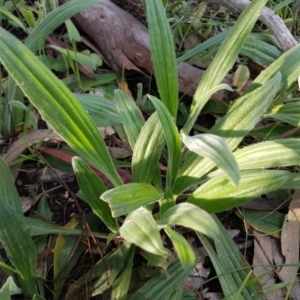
(124, 41)
(283, 36)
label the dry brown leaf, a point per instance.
(290, 245)
(263, 256)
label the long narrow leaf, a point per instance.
(92, 187)
(16, 240)
(163, 54)
(172, 138)
(162, 286)
(56, 104)
(191, 216)
(8, 189)
(215, 148)
(147, 150)
(141, 229)
(218, 194)
(131, 116)
(55, 19)
(128, 197)
(225, 58)
(234, 126)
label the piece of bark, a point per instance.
(124, 43)
(283, 36)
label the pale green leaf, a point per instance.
(233, 127)
(216, 149)
(16, 240)
(172, 138)
(269, 154)
(9, 288)
(92, 187)
(132, 117)
(218, 194)
(147, 150)
(86, 59)
(141, 230)
(55, 19)
(121, 284)
(183, 249)
(287, 113)
(163, 54)
(225, 58)
(8, 191)
(56, 104)
(162, 286)
(191, 216)
(128, 197)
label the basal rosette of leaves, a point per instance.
(210, 167)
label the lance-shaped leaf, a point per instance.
(147, 150)
(8, 189)
(56, 104)
(131, 116)
(218, 194)
(269, 154)
(172, 139)
(163, 54)
(162, 286)
(225, 58)
(287, 113)
(183, 248)
(128, 197)
(141, 230)
(191, 216)
(55, 19)
(92, 187)
(215, 148)
(233, 127)
(16, 240)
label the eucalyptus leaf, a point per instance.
(141, 230)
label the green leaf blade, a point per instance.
(215, 148)
(163, 55)
(56, 104)
(92, 187)
(218, 194)
(126, 198)
(141, 230)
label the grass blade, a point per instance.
(224, 59)
(55, 19)
(163, 55)
(56, 104)
(147, 150)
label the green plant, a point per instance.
(207, 170)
